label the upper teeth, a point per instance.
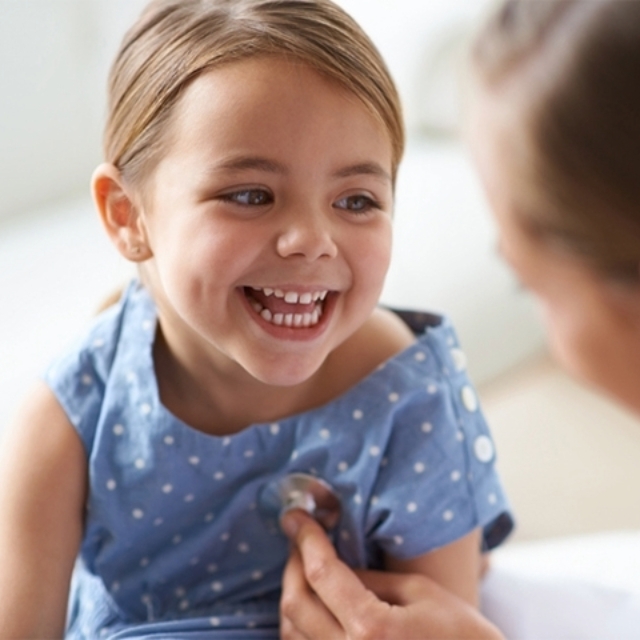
(293, 297)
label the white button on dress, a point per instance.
(469, 399)
(459, 359)
(483, 448)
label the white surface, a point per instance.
(576, 588)
(610, 559)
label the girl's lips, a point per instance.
(291, 311)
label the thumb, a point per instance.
(297, 524)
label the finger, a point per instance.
(409, 590)
(335, 584)
(288, 630)
(302, 613)
(302, 529)
(400, 588)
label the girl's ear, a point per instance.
(119, 214)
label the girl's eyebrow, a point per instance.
(363, 168)
(271, 166)
(249, 162)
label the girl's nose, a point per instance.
(309, 236)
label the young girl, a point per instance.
(555, 133)
(251, 149)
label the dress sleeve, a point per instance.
(78, 377)
(437, 481)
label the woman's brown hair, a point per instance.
(174, 41)
(576, 64)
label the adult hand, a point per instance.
(323, 598)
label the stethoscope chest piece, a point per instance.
(301, 491)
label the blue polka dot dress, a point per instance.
(175, 544)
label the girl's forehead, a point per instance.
(270, 77)
(272, 118)
(272, 82)
(271, 97)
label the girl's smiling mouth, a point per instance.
(289, 308)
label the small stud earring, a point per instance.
(135, 251)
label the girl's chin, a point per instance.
(284, 367)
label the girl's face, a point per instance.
(593, 325)
(269, 220)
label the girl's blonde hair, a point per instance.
(576, 65)
(174, 41)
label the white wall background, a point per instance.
(53, 60)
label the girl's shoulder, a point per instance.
(382, 336)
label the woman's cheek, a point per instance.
(563, 336)
(575, 346)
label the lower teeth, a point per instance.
(300, 320)
(290, 319)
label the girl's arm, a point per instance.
(456, 567)
(42, 497)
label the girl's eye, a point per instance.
(357, 204)
(249, 197)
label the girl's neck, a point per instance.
(225, 402)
